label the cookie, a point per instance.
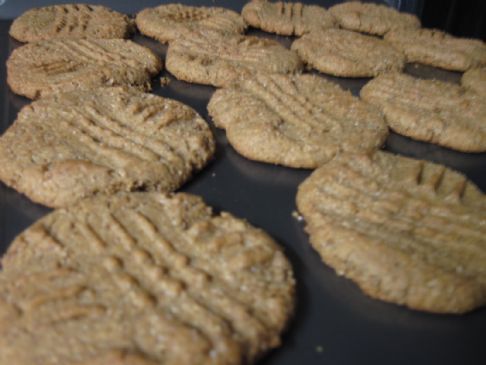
(142, 279)
(344, 53)
(38, 69)
(286, 18)
(406, 231)
(372, 18)
(475, 80)
(74, 145)
(70, 21)
(171, 21)
(297, 121)
(215, 59)
(428, 110)
(436, 48)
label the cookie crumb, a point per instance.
(297, 216)
(164, 81)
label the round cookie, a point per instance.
(286, 18)
(74, 145)
(41, 68)
(145, 279)
(344, 53)
(215, 59)
(70, 21)
(371, 18)
(170, 21)
(475, 80)
(295, 120)
(406, 231)
(439, 49)
(428, 110)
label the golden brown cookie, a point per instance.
(142, 279)
(344, 53)
(372, 18)
(41, 68)
(436, 48)
(475, 79)
(212, 58)
(406, 231)
(432, 111)
(286, 18)
(74, 145)
(70, 21)
(171, 21)
(296, 121)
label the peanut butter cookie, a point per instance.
(142, 279)
(406, 231)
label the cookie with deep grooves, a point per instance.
(41, 68)
(475, 79)
(212, 58)
(142, 279)
(171, 21)
(344, 53)
(286, 18)
(406, 231)
(436, 48)
(70, 21)
(74, 145)
(371, 18)
(295, 120)
(432, 111)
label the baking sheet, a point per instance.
(334, 323)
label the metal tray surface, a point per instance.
(335, 323)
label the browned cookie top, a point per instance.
(372, 18)
(74, 145)
(429, 110)
(41, 68)
(142, 279)
(406, 231)
(209, 57)
(286, 18)
(168, 22)
(70, 21)
(436, 48)
(344, 53)
(295, 120)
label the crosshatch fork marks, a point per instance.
(297, 121)
(77, 144)
(407, 231)
(148, 273)
(72, 21)
(46, 67)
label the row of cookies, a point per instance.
(143, 278)
(272, 89)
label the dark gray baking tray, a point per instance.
(334, 323)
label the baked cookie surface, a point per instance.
(344, 53)
(436, 48)
(142, 279)
(406, 231)
(432, 111)
(42, 68)
(215, 59)
(475, 79)
(295, 120)
(70, 21)
(74, 145)
(286, 18)
(372, 18)
(169, 22)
